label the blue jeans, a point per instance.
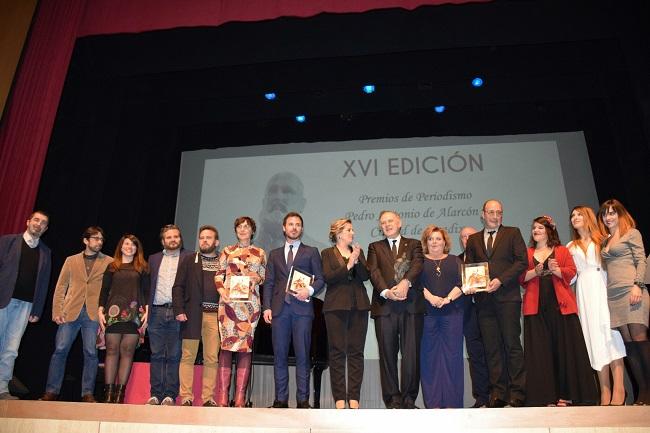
(13, 321)
(65, 336)
(165, 344)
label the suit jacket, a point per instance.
(382, 276)
(155, 260)
(10, 246)
(566, 300)
(508, 260)
(187, 294)
(74, 288)
(343, 285)
(277, 275)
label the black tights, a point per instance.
(633, 332)
(119, 350)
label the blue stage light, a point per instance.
(301, 118)
(477, 82)
(270, 96)
(439, 108)
(369, 88)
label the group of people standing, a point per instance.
(420, 307)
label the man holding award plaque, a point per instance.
(398, 309)
(500, 253)
(293, 274)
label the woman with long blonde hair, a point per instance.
(604, 345)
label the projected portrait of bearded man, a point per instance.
(284, 193)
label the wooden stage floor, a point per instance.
(37, 416)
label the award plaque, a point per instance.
(298, 279)
(240, 288)
(476, 277)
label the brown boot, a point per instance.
(223, 386)
(120, 389)
(241, 386)
(109, 393)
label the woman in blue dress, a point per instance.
(441, 353)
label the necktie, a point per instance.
(490, 242)
(287, 297)
(394, 248)
(290, 256)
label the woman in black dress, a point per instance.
(123, 313)
(346, 309)
(557, 362)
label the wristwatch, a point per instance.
(641, 285)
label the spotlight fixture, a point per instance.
(270, 96)
(439, 108)
(477, 82)
(301, 118)
(368, 89)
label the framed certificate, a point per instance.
(298, 279)
(240, 288)
(476, 276)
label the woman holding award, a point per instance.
(555, 354)
(346, 309)
(441, 350)
(604, 345)
(627, 296)
(241, 271)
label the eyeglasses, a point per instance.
(494, 212)
(97, 238)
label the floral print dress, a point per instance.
(238, 319)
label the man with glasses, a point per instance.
(499, 308)
(25, 265)
(74, 309)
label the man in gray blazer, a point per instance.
(74, 309)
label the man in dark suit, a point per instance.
(478, 369)
(499, 308)
(163, 329)
(397, 307)
(25, 265)
(195, 302)
(291, 315)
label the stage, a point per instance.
(37, 416)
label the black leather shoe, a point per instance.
(409, 405)
(516, 403)
(303, 405)
(478, 404)
(277, 404)
(497, 402)
(394, 405)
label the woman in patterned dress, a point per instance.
(239, 311)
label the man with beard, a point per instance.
(74, 308)
(291, 315)
(164, 329)
(284, 193)
(25, 265)
(196, 302)
(499, 308)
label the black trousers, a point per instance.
(501, 331)
(346, 336)
(399, 332)
(478, 369)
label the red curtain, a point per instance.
(29, 116)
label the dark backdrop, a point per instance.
(132, 103)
